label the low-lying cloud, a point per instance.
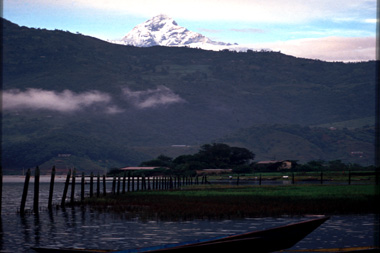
(346, 49)
(152, 97)
(65, 101)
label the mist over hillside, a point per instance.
(112, 105)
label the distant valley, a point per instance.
(76, 101)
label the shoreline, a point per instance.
(221, 202)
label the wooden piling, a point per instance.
(66, 188)
(113, 185)
(36, 189)
(25, 192)
(73, 187)
(98, 186)
(91, 185)
(118, 185)
(82, 188)
(124, 178)
(50, 201)
(142, 183)
(104, 185)
(129, 182)
(292, 178)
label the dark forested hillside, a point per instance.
(108, 101)
(302, 143)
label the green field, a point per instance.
(226, 202)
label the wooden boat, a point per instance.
(346, 249)
(268, 240)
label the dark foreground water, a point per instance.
(84, 228)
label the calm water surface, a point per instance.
(82, 227)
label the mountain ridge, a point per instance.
(125, 99)
(161, 30)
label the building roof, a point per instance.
(269, 162)
(139, 168)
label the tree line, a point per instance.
(240, 160)
(210, 156)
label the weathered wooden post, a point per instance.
(149, 184)
(65, 188)
(73, 187)
(50, 202)
(82, 189)
(98, 185)
(260, 180)
(104, 185)
(124, 177)
(118, 185)
(133, 184)
(129, 181)
(91, 184)
(143, 183)
(25, 192)
(113, 185)
(292, 178)
(36, 189)
(237, 180)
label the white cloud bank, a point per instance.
(346, 49)
(65, 101)
(152, 97)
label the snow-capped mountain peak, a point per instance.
(164, 31)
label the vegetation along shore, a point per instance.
(226, 201)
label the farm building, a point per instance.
(274, 165)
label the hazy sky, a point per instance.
(323, 29)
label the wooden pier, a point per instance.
(120, 185)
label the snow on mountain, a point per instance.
(162, 30)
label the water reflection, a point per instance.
(87, 228)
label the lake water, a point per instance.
(85, 228)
